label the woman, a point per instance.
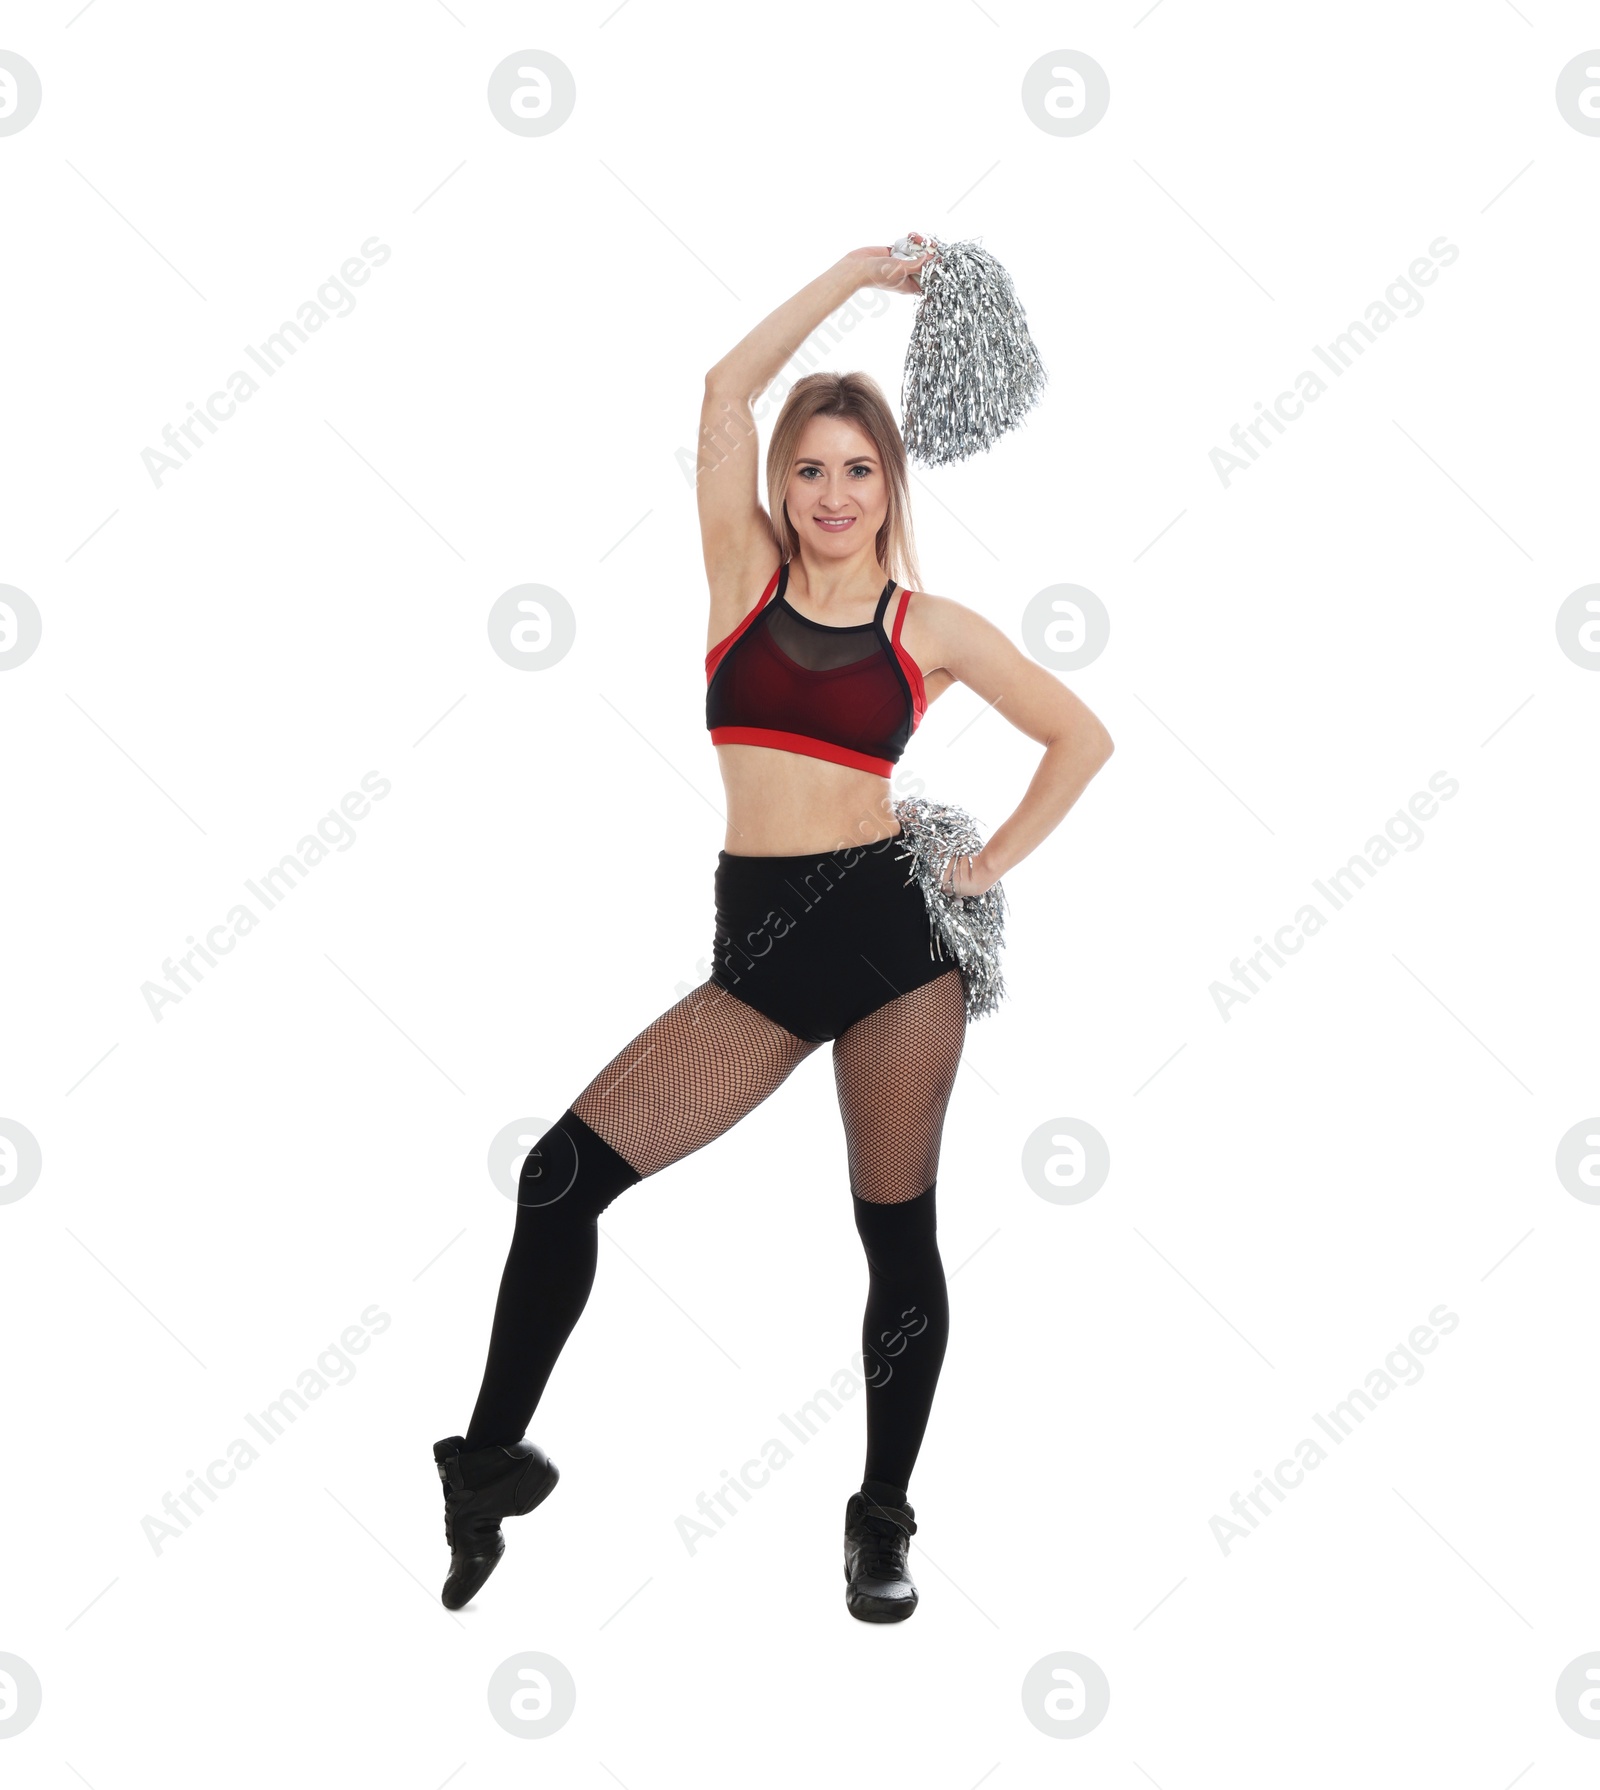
(820, 667)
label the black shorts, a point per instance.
(818, 940)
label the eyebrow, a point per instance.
(854, 458)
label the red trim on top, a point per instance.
(714, 657)
(802, 743)
(919, 694)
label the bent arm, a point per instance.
(736, 535)
(750, 366)
(1036, 702)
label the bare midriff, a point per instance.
(783, 803)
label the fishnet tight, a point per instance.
(711, 1058)
(894, 1071)
(690, 1075)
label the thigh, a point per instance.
(687, 1077)
(895, 1070)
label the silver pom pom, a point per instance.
(968, 928)
(972, 371)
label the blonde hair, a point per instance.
(858, 398)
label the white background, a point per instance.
(305, 1134)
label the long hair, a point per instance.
(858, 398)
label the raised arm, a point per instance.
(737, 538)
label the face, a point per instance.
(837, 478)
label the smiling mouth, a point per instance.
(836, 524)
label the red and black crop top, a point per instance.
(851, 695)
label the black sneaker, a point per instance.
(480, 1488)
(876, 1538)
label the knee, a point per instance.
(899, 1237)
(572, 1172)
(550, 1169)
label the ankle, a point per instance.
(470, 1443)
(881, 1491)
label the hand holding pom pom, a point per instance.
(972, 371)
(892, 270)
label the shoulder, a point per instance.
(936, 629)
(928, 608)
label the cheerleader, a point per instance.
(823, 656)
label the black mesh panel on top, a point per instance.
(815, 647)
